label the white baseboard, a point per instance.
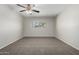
(10, 43)
(72, 45)
(39, 36)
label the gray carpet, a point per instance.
(39, 46)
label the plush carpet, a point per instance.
(39, 46)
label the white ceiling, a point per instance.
(45, 9)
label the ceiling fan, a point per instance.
(28, 8)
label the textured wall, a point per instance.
(48, 31)
(67, 26)
(10, 26)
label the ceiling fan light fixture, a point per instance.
(28, 8)
(29, 12)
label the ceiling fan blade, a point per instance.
(22, 10)
(36, 11)
(20, 5)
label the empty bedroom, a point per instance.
(39, 29)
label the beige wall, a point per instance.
(67, 26)
(48, 31)
(10, 26)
